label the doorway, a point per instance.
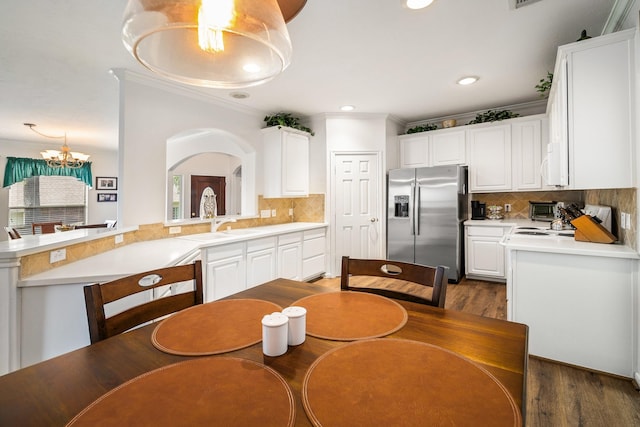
(198, 184)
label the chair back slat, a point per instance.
(97, 295)
(432, 277)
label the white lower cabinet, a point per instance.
(290, 256)
(261, 261)
(313, 253)
(225, 271)
(579, 309)
(484, 255)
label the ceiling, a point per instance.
(381, 57)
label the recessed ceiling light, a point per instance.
(467, 80)
(347, 108)
(418, 4)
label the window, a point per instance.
(176, 201)
(47, 199)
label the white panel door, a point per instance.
(358, 202)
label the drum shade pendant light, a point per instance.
(210, 43)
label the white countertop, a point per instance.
(152, 254)
(553, 244)
(28, 245)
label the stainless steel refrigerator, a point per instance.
(425, 212)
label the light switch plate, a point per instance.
(175, 230)
(119, 238)
(265, 213)
(273, 212)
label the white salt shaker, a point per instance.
(297, 324)
(274, 334)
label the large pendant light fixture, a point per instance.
(210, 43)
(63, 158)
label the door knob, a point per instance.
(374, 219)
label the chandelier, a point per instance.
(211, 43)
(63, 158)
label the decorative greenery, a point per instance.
(545, 84)
(416, 129)
(286, 119)
(492, 116)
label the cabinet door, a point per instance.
(261, 267)
(490, 158)
(290, 261)
(295, 167)
(526, 144)
(601, 116)
(414, 151)
(485, 257)
(225, 277)
(448, 147)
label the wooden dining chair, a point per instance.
(13, 233)
(423, 276)
(97, 295)
(44, 227)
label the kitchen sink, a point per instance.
(239, 231)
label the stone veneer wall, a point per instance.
(305, 209)
(620, 200)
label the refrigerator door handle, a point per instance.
(413, 220)
(416, 211)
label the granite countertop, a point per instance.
(152, 254)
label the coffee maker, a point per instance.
(478, 210)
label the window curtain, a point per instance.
(19, 168)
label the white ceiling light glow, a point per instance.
(418, 4)
(347, 108)
(465, 81)
(211, 43)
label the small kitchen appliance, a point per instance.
(542, 211)
(478, 210)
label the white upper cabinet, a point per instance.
(526, 144)
(447, 147)
(490, 158)
(286, 162)
(595, 124)
(507, 155)
(432, 148)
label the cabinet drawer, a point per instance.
(486, 231)
(225, 251)
(313, 267)
(286, 239)
(261, 244)
(313, 247)
(312, 234)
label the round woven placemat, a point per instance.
(347, 316)
(213, 328)
(395, 382)
(212, 391)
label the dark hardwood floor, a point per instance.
(557, 395)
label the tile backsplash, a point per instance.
(620, 200)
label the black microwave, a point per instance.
(543, 211)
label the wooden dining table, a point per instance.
(52, 392)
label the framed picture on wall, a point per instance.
(106, 183)
(107, 197)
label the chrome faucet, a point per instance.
(217, 222)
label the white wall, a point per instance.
(151, 112)
(103, 163)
